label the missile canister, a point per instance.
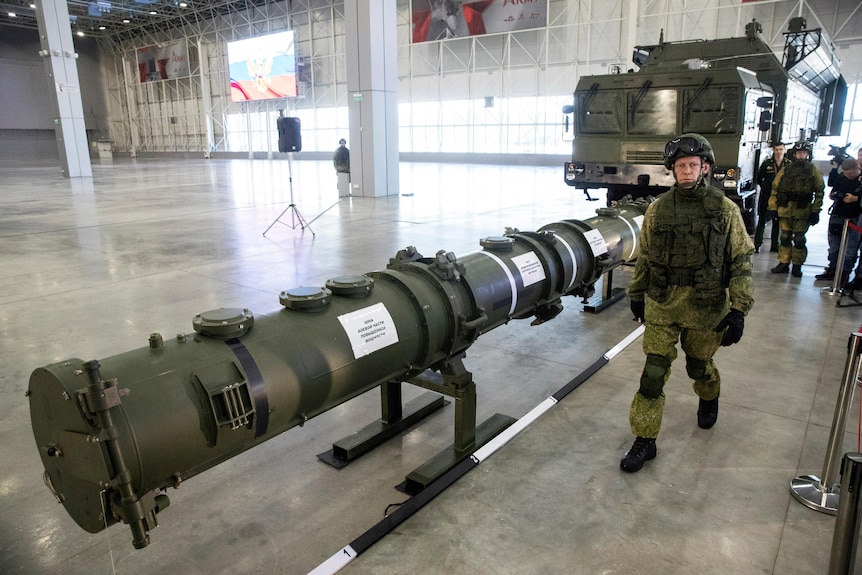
(113, 434)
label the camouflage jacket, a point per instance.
(797, 190)
(681, 304)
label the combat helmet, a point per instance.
(803, 145)
(690, 144)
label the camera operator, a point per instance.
(845, 194)
(836, 156)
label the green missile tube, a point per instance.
(115, 433)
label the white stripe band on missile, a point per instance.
(634, 238)
(574, 261)
(508, 275)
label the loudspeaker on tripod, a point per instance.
(289, 137)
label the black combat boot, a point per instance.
(781, 268)
(828, 274)
(707, 413)
(642, 451)
(797, 271)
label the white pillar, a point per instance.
(372, 83)
(55, 36)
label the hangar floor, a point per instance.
(92, 267)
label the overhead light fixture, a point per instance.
(101, 27)
(183, 5)
(12, 14)
(153, 12)
(125, 20)
(80, 33)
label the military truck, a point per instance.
(734, 91)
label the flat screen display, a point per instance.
(263, 67)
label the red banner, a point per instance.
(442, 19)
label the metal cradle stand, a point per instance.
(821, 494)
(296, 218)
(451, 380)
(608, 297)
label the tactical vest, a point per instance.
(797, 185)
(687, 249)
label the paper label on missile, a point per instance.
(369, 329)
(639, 220)
(597, 242)
(530, 267)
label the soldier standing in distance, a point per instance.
(341, 162)
(694, 252)
(765, 176)
(341, 157)
(797, 196)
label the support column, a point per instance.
(372, 83)
(55, 36)
(206, 97)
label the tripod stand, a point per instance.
(296, 217)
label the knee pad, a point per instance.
(695, 368)
(799, 239)
(654, 375)
(785, 238)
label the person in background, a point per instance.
(341, 157)
(692, 284)
(765, 176)
(796, 199)
(856, 283)
(341, 162)
(845, 197)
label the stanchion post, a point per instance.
(821, 494)
(846, 534)
(839, 262)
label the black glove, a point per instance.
(772, 214)
(638, 308)
(732, 325)
(813, 218)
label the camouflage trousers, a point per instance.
(791, 247)
(659, 343)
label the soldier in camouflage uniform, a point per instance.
(797, 197)
(694, 252)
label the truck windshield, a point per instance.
(714, 110)
(600, 112)
(652, 111)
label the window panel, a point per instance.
(652, 112)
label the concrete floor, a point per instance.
(90, 268)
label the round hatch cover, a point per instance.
(305, 298)
(350, 285)
(223, 322)
(497, 243)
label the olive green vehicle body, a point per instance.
(733, 91)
